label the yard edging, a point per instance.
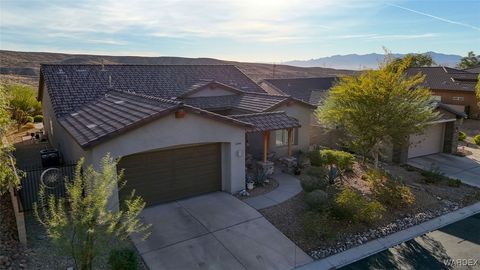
(377, 245)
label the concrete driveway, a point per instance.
(466, 168)
(215, 231)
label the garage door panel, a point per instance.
(430, 142)
(167, 175)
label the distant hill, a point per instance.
(366, 61)
(24, 66)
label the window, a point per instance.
(281, 137)
(457, 98)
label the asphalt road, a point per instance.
(456, 246)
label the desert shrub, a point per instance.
(123, 259)
(432, 176)
(316, 171)
(454, 182)
(343, 161)
(38, 118)
(310, 183)
(315, 158)
(353, 206)
(317, 225)
(388, 190)
(476, 139)
(371, 212)
(29, 119)
(317, 200)
(462, 136)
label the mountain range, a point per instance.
(367, 61)
(24, 67)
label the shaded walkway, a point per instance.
(288, 187)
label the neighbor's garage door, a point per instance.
(168, 175)
(430, 142)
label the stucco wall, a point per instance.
(192, 129)
(60, 138)
(302, 114)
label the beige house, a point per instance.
(439, 136)
(180, 130)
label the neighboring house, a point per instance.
(473, 69)
(439, 136)
(311, 90)
(452, 87)
(180, 130)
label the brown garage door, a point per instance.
(172, 174)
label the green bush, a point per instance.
(343, 161)
(317, 200)
(316, 171)
(454, 182)
(310, 183)
(317, 226)
(315, 158)
(123, 259)
(476, 139)
(29, 119)
(462, 136)
(389, 191)
(433, 176)
(38, 118)
(355, 207)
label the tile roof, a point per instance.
(112, 113)
(268, 121)
(445, 78)
(117, 112)
(249, 102)
(72, 86)
(302, 88)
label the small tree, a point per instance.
(81, 223)
(22, 103)
(414, 60)
(378, 107)
(7, 162)
(469, 61)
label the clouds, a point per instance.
(262, 21)
(253, 30)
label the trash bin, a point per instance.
(50, 158)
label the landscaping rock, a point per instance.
(400, 224)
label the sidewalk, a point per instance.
(288, 187)
(357, 253)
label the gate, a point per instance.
(53, 179)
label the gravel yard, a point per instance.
(431, 200)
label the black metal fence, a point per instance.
(53, 179)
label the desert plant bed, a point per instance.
(392, 198)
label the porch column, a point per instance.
(290, 142)
(266, 135)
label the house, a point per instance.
(180, 130)
(311, 90)
(439, 136)
(453, 87)
(475, 69)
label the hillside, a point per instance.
(24, 66)
(364, 61)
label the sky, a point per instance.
(242, 30)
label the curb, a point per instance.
(377, 245)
